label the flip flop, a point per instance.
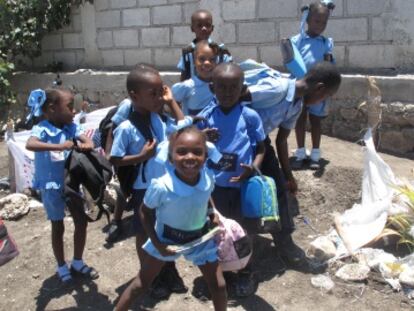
(85, 272)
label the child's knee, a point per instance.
(137, 287)
(58, 227)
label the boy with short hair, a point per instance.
(202, 26)
(241, 142)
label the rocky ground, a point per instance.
(29, 282)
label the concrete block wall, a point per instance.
(115, 34)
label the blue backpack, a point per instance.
(259, 201)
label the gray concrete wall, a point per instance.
(344, 121)
(116, 34)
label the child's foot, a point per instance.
(300, 156)
(64, 274)
(173, 280)
(245, 285)
(80, 269)
(314, 159)
(114, 232)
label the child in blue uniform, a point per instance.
(314, 48)
(241, 142)
(51, 140)
(180, 200)
(194, 94)
(202, 26)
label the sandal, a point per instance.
(85, 272)
(65, 276)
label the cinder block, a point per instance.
(104, 39)
(277, 8)
(182, 35)
(113, 58)
(101, 5)
(181, 1)
(350, 29)
(108, 19)
(339, 9)
(372, 56)
(76, 22)
(241, 53)
(120, 4)
(339, 55)
(227, 33)
(368, 7)
(80, 58)
(155, 37)
(259, 32)
(382, 28)
(170, 14)
(126, 37)
(67, 58)
(133, 57)
(43, 60)
(72, 41)
(136, 17)
(271, 55)
(189, 9)
(239, 9)
(288, 29)
(151, 2)
(167, 58)
(52, 42)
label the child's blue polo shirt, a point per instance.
(239, 132)
(193, 94)
(181, 207)
(122, 113)
(181, 63)
(49, 165)
(129, 141)
(284, 114)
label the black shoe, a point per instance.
(159, 289)
(314, 165)
(297, 164)
(245, 285)
(114, 232)
(173, 280)
(290, 253)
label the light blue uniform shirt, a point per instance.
(181, 63)
(240, 130)
(49, 165)
(284, 114)
(129, 141)
(193, 94)
(122, 113)
(178, 204)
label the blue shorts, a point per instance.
(54, 203)
(134, 203)
(199, 255)
(318, 110)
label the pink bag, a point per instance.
(8, 248)
(234, 245)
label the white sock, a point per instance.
(77, 264)
(300, 153)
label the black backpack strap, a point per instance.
(223, 51)
(186, 52)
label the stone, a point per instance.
(33, 204)
(322, 248)
(393, 140)
(323, 282)
(14, 206)
(353, 272)
(407, 277)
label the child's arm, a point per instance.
(35, 144)
(148, 221)
(86, 144)
(283, 154)
(248, 169)
(172, 104)
(147, 152)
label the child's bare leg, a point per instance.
(315, 122)
(151, 267)
(79, 236)
(140, 239)
(58, 229)
(216, 284)
(300, 128)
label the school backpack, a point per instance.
(234, 245)
(292, 59)
(188, 52)
(259, 201)
(91, 170)
(267, 86)
(105, 125)
(8, 248)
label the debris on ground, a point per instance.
(14, 206)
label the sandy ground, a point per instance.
(29, 282)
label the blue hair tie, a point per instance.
(35, 101)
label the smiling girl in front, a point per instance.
(180, 200)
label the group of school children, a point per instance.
(180, 183)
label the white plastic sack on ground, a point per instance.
(364, 222)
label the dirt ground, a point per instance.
(29, 282)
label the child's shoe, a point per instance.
(315, 157)
(300, 156)
(80, 269)
(245, 285)
(159, 289)
(114, 232)
(64, 274)
(291, 254)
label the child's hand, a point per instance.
(212, 134)
(85, 146)
(214, 220)
(248, 171)
(148, 151)
(164, 249)
(167, 96)
(67, 145)
(292, 186)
